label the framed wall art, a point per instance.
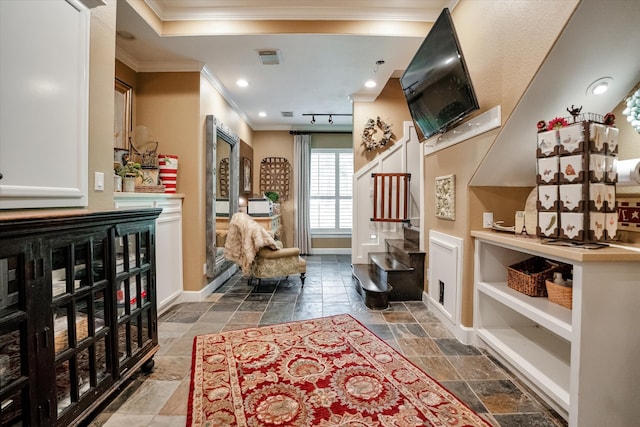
(446, 197)
(246, 175)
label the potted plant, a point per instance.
(129, 172)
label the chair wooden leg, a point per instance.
(302, 279)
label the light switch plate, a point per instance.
(99, 181)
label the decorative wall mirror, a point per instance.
(122, 119)
(221, 143)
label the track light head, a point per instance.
(330, 119)
(313, 119)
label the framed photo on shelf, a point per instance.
(120, 155)
(246, 175)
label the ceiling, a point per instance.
(327, 50)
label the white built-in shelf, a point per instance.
(542, 356)
(560, 353)
(553, 317)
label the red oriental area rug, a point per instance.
(330, 371)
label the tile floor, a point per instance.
(160, 397)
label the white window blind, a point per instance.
(330, 193)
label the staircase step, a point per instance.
(403, 245)
(375, 294)
(387, 263)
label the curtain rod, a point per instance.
(309, 132)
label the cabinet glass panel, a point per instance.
(125, 291)
(146, 331)
(144, 247)
(14, 348)
(132, 240)
(59, 263)
(11, 414)
(61, 328)
(97, 266)
(80, 276)
(99, 313)
(124, 348)
(135, 334)
(102, 361)
(10, 364)
(9, 285)
(84, 371)
(144, 290)
(120, 254)
(63, 386)
(82, 320)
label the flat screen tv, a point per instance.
(436, 83)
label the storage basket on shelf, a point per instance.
(559, 294)
(528, 276)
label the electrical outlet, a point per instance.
(487, 219)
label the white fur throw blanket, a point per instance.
(244, 239)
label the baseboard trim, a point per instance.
(465, 334)
(330, 251)
(201, 295)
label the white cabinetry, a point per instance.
(582, 361)
(44, 75)
(168, 241)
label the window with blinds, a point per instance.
(330, 190)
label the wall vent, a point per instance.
(287, 113)
(269, 57)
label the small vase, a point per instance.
(117, 183)
(129, 184)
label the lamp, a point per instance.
(313, 116)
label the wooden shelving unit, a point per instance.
(77, 310)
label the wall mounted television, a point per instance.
(436, 83)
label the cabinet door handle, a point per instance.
(43, 337)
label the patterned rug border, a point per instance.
(380, 340)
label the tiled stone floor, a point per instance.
(160, 397)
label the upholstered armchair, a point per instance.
(257, 253)
(281, 262)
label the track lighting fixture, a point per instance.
(313, 116)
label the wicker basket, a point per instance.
(528, 276)
(558, 294)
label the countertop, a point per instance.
(615, 252)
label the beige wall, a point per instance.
(276, 144)
(168, 104)
(391, 107)
(101, 57)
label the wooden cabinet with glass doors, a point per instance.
(77, 311)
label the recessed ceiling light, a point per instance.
(600, 86)
(370, 83)
(262, 114)
(242, 83)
